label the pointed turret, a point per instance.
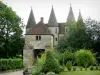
(70, 17)
(52, 19)
(31, 20)
(80, 16)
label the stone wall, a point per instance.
(55, 33)
(28, 56)
(46, 40)
(31, 43)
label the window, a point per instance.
(38, 37)
(56, 39)
(65, 29)
(56, 30)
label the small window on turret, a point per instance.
(66, 29)
(56, 39)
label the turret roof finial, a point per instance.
(52, 5)
(70, 4)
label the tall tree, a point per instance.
(93, 28)
(76, 37)
(10, 31)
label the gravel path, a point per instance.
(13, 73)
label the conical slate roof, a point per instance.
(80, 16)
(70, 17)
(31, 21)
(52, 19)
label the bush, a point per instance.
(51, 64)
(67, 56)
(69, 65)
(81, 68)
(42, 73)
(51, 73)
(96, 68)
(91, 68)
(10, 64)
(85, 58)
(74, 68)
(36, 71)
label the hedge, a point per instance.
(11, 64)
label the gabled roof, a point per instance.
(52, 19)
(39, 29)
(70, 17)
(31, 20)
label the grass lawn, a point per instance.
(81, 73)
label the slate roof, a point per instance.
(40, 28)
(52, 19)
(80, 16)
(70, 17)
(31, 20)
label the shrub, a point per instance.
(42, 73)
(69, 65)
(85, 58)
(91, 68)
(51, 73)
(67, 56)
(74, 68)
(81, 68)
(36, 71)
(10, 64)
(51, 64)
(96, 68)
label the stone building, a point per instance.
(40, 37)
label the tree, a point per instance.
(75, 38)
(85, 58)
(11, 39)
(51, 64)
(93, 28)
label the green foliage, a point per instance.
(11, 39)
(75, 38)
(51, 73)
(81, 68)
(40, 62)
(10, 64)
(50, 64)
(91, 68)
(74, 68)
(96, 68)
(67, 56)
(85, 58)
(42, 73)
(36, 71)
(69, 65)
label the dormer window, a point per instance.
(38, 37)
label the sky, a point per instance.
(42, 8)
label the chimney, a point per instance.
(42, 19)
